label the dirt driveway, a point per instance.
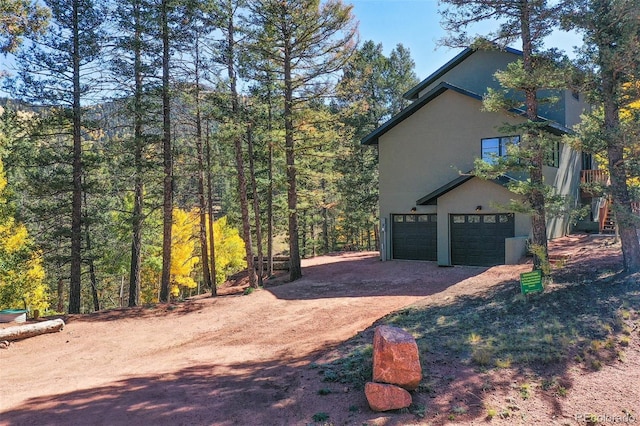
(246, 360)
(231, 360)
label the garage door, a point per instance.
(478, 239)
(414, 236)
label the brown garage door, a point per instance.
(478, 239)
(414, 236)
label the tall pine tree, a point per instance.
(60, 71)
(612, 41)
(307, 41)
(528, 21)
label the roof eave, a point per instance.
(413, 93)
(432, 197)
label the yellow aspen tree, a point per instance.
(21, 272)
(183, 245)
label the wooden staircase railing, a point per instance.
(607, 223)
(607, 218)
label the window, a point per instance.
(493, 148)
(552, 157)
(473, 218)
(489, 218)
(459, 219)
(587, 161)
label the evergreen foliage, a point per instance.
(611, 67)
(300, 123)
(22, 274)
(528, 21)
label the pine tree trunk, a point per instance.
(270, 195)
(92, 270)
(325, 218)
(212, 246)
(536, 197)
(206, 273)
(295, 268)
(618, 174)
(167, 206)
(137, 216)
(76, 204)
(237, 143)
(135, 272)
(60, 306)
(256, 205)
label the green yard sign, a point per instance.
(531, 282)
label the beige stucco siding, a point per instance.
(477, 73)
(566, 182)
(464, 199)
(574, 108)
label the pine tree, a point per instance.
(529, 21)
(167, 149)
(57, 72)
(20, 18)
(612, 40)
(133, 66)
(370, 92)
(307, 42)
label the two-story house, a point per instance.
(431, 205)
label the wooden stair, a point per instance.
(607, 218)
(609, 223)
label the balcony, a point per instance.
(592, 182)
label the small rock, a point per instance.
(395, 358)
(384, 397)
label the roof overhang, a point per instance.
(432, 197)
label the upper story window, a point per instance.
(552, 156)
(492, 148)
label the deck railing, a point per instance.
(594, 176)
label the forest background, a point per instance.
(113, 106)
(132, 124)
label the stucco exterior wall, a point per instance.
(574, 107)
(566, 181)
(477, 73)
(433, 145)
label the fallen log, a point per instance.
(19, 332)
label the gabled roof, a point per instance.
(372, 138)
(432, 197)
(415, 90)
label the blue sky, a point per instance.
(416, 24)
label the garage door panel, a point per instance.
(479, 239)
(414, 236)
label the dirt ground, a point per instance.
(244, 360)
